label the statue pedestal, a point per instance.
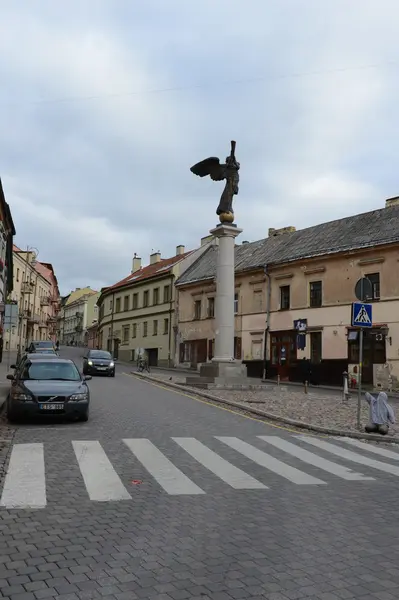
(224, 368)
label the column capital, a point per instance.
(226, 230)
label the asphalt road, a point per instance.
(164, 496)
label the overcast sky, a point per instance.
(105, 105)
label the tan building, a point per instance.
(306, 275)
(137, 314)
(79, 312)
(35, 290)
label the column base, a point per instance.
(220, 373)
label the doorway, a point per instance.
(283, 352)
(374, 351)
(152, 354)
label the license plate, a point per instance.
(102, 368)
(51, 406)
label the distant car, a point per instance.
(48, 386)
(98, 362)
(38, 345)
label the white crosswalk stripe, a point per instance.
(314, 459)
(271, 463)
(101, 480)
(25, 485)
(227, 472)
(349, 455)
(371, 448)
(162, 469)
(25, 481)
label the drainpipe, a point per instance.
(268, 301)
(112, 322)
(172, 283)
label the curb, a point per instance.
(270, 416)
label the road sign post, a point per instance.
(362, 318)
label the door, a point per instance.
(282, 352)
(199, 352)
(152, 354)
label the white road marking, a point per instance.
(101, 480)
(168, 476)
(370, 448)
(25, 484)
(349, 455)
(314, 459)
(271, 463)
(237, 479)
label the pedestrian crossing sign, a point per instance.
(361, 315)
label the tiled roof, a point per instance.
(158, 268)
(366, 230)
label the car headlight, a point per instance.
(21, 396)
(111, 364)
(90, 363)
(78, 397)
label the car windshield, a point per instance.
(43, 345)
(62, 371)
(100, 354)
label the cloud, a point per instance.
(105, 105)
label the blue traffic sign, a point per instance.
(362, 315)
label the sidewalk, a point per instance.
(5, 368)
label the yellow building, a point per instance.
(78, 314)
(138, 313)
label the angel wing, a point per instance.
(210, 166)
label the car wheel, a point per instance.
(84, 417)
(113, 374)
(12, 416)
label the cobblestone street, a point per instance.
(161, 495)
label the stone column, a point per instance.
(225, 290)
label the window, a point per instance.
(166, 293)
(315, 294)
(166, 326)
(17, 274)
(315, 347)
(110, 305)
(284, 297)
(197, 309)
(135, 301)
(118, 305)
(126, 303)
(155, 327)
(375, 285)
(145, 329)
(155, 296)
(235, 304)
(211, 307)
(134, 330)
(258, 301)
(146, 298)
(125, 334)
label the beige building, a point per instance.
(35, 291)
(137, 314)
(307, 275)
(79, 312)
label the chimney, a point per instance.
(392, 202)
(206, 239)
(155, 257)
(180, 249)
(136, 263)
(274, 232)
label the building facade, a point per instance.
(7, 233)
(307, 277)
(92, 336)
(79, 311)
(35, 291)
(137, 314)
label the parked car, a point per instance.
(48, 386)
(38, 345)
(35, 356)
(98, 362)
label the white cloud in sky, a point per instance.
(104, 106)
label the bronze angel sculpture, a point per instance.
(218, 172)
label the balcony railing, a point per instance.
(32, 317)
(51, 319)
(44, 301)
(28, 287)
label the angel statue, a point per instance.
(218, 172)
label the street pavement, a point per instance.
(161, 495)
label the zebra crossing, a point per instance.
(25, 481)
